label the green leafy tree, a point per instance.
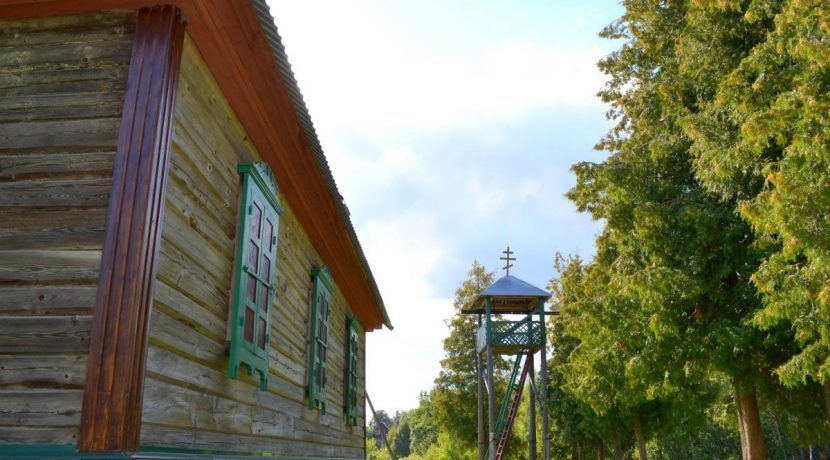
(612, 362)
(454, 396)
(574, 422)
(400, 436)
(764, 141)
(423, 426)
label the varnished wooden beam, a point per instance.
(111, 415)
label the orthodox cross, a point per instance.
(507, 259)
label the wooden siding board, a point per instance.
(84, 193)
(66, 80)
(39, 435)
(40, 408)
(51, 107)
(75, 165)
(55, 229)
(45, 370)
(44, 334)
(31, 265)
(46, 299)
(59, 133)
(69, 29)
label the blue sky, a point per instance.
(450, 128)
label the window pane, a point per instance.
(256, 219)
(318, 374)
(265, 270)
(263, 297)
(261, 335)
(253, 256)
(248, 333)
(269, 233)
(252, 289)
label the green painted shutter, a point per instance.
(255, 272)
(318, 349)
(353, 339)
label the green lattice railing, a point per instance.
(523, 334)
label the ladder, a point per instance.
(510, 404)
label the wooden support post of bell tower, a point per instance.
(482, 448)
(531, 412)
(543, 374)
(491, 394)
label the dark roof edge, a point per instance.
(272, 36)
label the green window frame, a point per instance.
(323, 286)
(254, 272)
(353, 331)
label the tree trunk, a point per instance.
(618, 452)
(641, 440)
(741, 427)
(749, 421)
(827, 397)
(600, 451)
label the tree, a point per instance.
(763, 141)
(574, 422)
(454, 395)
(423, 426)
(400, 436)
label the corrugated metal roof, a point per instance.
(511, 286)
(510, 295)
(273, 38)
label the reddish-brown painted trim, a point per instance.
(228, 36)
(111, 415)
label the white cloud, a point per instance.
(404, 251)
(366, 77)
(363, 173)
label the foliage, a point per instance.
(764, 139)
(400, 437)
(454, 395)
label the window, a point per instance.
(320, 315)
(254, 273)
(353, 330)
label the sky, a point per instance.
(450, 128)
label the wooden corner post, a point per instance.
(111, 415)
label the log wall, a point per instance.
(189, 402)
(62, 83)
